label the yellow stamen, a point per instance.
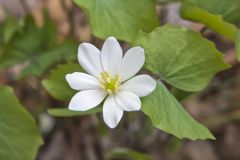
(109, 91)
(110, 84)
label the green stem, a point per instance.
(214, 22)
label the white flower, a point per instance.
(111, 77)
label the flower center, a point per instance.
(110, 84)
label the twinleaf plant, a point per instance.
(175, 57)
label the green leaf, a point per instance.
(64, 112)
(56, 84)
(39, 64)
(237, 43)
(38, 47)
(22, 45)
(11, 26)
(119, 18)
(35, 45)
(212, 21)
(127, 153)
(229, 9)
(19, 136)
(29, 43)
(180, 95)
(166, 1)
(167, 114)
(181, 57)
(49, 31)
(1, 38)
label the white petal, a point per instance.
(112, 113)
(89, 59)
(141, 85)
(111, 56)
(82, 81)
(128, 101)
(85, 100)
(132, 62)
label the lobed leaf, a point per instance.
(35, 46)
(181, 57)
(31, 41)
